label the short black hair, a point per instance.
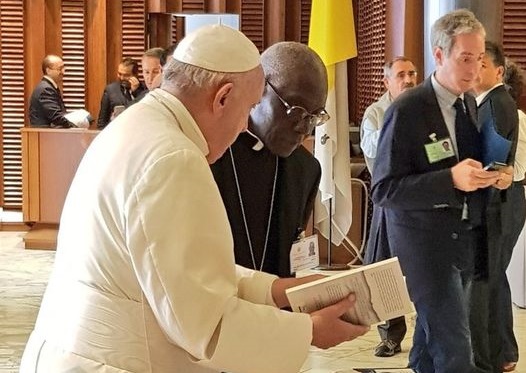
(495, 53)
(167, 52)
(128, 61)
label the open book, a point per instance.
(381, 293)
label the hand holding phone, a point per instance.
(495, 166)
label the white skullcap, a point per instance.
(218, 48)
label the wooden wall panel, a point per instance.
(53, 19)
(11, 101)
(34, 48)
(114, 38)
(97, 55)
(274, 22)
(252, 21)
(73, 53)
(371, 53)
(133, 29)
(513, 33)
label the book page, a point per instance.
(389, 294)
(380, 291)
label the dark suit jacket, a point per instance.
(46, 107)
(421, 210)
(112, 96)
(500, 106)
(296, 187)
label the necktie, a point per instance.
(127, 94)
(468, 145)
(466, 133)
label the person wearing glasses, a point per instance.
(267, 179)
(121, 93)
(399, 75)
(144, 278)
(46, 106)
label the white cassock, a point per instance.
(144, 278)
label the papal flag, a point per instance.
(332, 36)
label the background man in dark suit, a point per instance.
(497, 112)
(267, 179)
(429, 195)
(46, 106)
(120, 93)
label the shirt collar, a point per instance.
(483, 95)
(258, 145)
(443, 95)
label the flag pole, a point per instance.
(330, 266)
(332, 36)
(329, 243)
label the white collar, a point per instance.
(483, 95)
(259, 144)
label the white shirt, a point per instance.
(372, 123)
(144, 278)
(519, 167)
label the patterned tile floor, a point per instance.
(24, 274)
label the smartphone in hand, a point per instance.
(495, 166)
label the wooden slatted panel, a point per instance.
(514, 30)
(193, 6)
(187, 6)
(12, 97)
(133, 28)
(371, 52)
(252, 21)
(73, 53)
(175, 35)
(306, 6)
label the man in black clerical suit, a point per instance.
(46, 106)
(121, 93)
(267, 179)
(497, 114)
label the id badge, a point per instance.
(439, 150)
(304, 254)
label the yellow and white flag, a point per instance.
(332, 36)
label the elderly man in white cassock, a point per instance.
(144, 278)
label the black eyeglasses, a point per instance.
(299, 114)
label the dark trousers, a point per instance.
(491, 318)
(442, 340)
(393, 330)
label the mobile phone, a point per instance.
(495, 166)
(118, 109)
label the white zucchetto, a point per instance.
(218, 48)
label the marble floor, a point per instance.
(24, 274)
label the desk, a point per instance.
(50, 158)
